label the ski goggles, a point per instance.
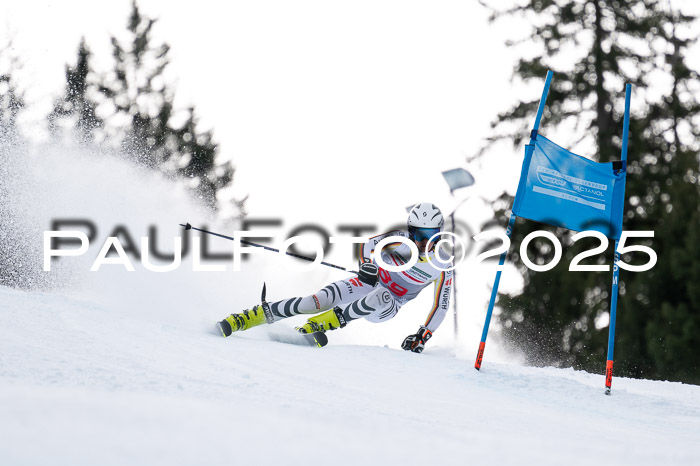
(420, 234)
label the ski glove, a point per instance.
(416, 343)
(368, 273)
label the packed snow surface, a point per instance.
(83, 383)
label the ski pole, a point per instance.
(250, 243)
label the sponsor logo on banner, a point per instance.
(570, 188)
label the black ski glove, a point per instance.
(416, 342)
(368, 273)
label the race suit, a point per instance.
(394, 289)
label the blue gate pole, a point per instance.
(540, 109)
(613, 314)
(492, 301)
(616, 267)
(509, 229)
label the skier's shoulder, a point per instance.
(394, 234)
(440, 263)
(444, 258)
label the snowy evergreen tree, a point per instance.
(11, 100)
(143, 120)
(14, 264)
(76, 108)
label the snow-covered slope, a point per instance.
(82, 383)
(123, 368)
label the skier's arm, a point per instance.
(441, 301)
(368, 271)
(365, 250)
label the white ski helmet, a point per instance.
(425, 216)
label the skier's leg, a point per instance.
(335, 294)
(339, 292)
(376, 306)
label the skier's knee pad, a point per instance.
(379, 305)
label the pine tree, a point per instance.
(560, 316)
(141, 102)
(11, 101)
(13, 249)
(199, 154)
(672, 323)
(76, 107)
(143, 118)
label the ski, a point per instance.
(318, 339)
(292, 337)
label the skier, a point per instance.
(375, 294)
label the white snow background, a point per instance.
(124, 368)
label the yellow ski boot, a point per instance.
(243, 321)
(329, 320)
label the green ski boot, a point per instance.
(329, 320)
(243, 321)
